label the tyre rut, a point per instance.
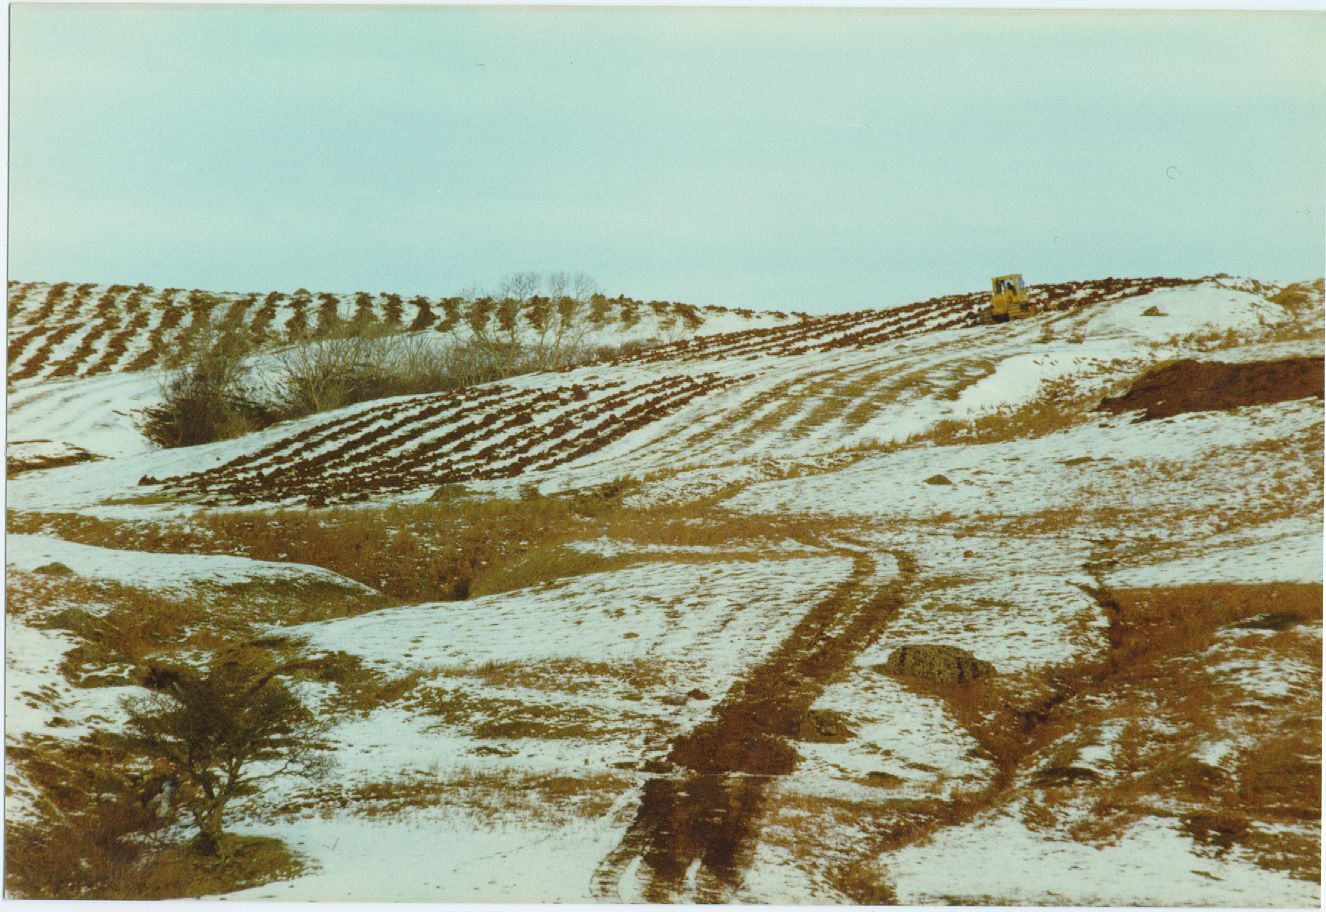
(697, 824)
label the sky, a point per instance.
(817, 160)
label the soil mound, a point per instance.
(1201, 386)
(944, 664)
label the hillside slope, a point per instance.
(892, 606)
(84, 360)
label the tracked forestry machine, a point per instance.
(1009, 299)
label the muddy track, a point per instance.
(696, 826)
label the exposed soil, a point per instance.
(1202, 386)
(17, 465)
(706, 812)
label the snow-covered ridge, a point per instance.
(64, 331)
(752, 394)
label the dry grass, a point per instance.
(864, 883)
(489, 795)
(74, 455)
(88, 832)
(449, 549)
(492, 717)
(1154, 686)
(118, 628)
(869, 398)
(547, 564)
(1059, 405)
(428, 551)
(94, 838)
(706, 525)
(1147, 624)
(551, 564)
(1298, 296)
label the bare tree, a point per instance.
(520, 285)
(583, 286)
(556, 284)
(224, 730)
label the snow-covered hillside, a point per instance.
(691, 576)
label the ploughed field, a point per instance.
(887, 606)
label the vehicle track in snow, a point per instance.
(697, 826)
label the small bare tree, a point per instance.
(224, 730)
(520, 285)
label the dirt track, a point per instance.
(706, 811)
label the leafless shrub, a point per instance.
(208, 398)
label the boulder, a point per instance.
(942, 664)
(1274, 620)
(1065, 775)
(938, 480)
(824, 726)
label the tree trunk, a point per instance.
(208, 819)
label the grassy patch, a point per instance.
(118, 627)
(502, 718)
(1059, 405)
(439, 550)
(427, 551)
(492, 795)
(93, 837)
(570, 675)
(1155, 691)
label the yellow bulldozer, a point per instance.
(1009, 299)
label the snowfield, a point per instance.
(688, 686)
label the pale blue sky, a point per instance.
(816, 160)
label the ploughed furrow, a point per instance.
(640, 415)
(839, 331)
(73, 309)
(510, 458)
(368, 435)
(119, 344)
(260, 330)
(515, 413)
(324, 433)
(112, 333)
(16, 298)
(752, 341)
(926, 316)
(426, 422)
(750, 420)
(493, 433)
(19, 343)
(866, 328)
(700, 819)
(54, 296)
(171, 317)
(37, 361)
(833, 398)
(307, 453)
(69, 365)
